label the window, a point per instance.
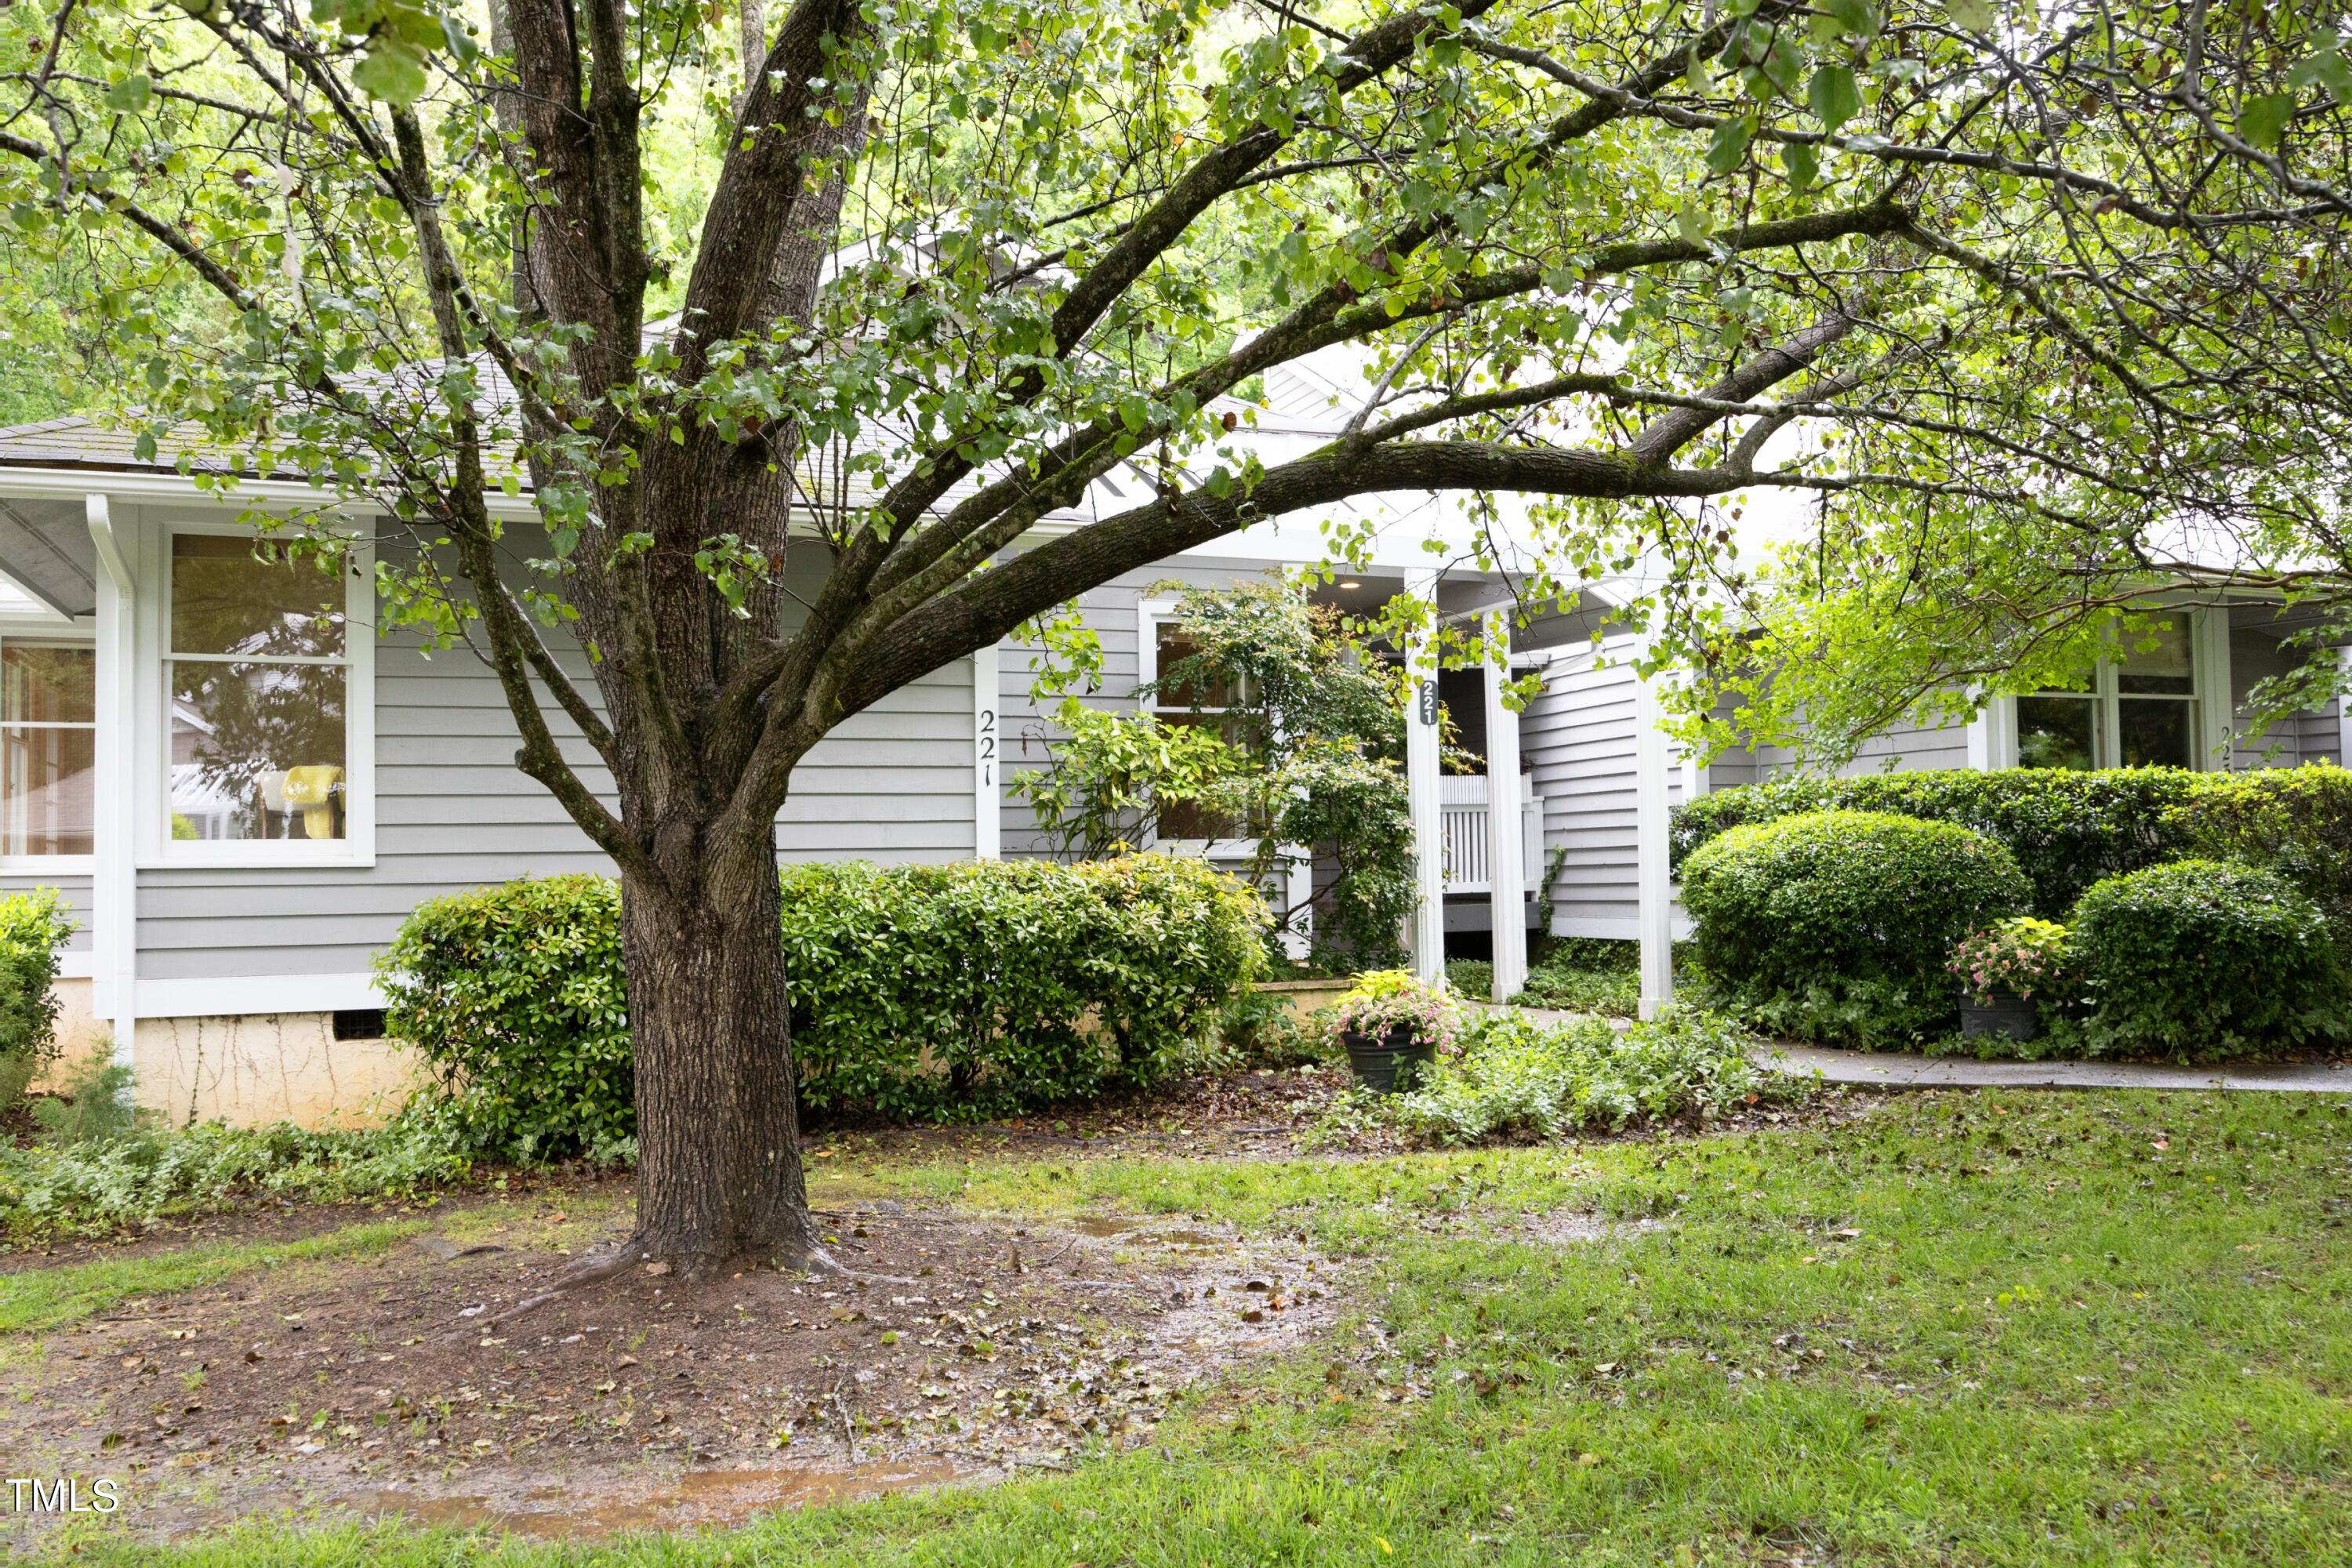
(1176, 702)
(2140, 708)
(256, 682)
(49, 741)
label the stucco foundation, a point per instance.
(267, 1067)
(245, 1069)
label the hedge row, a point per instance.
(932, 992)
(2067, 830)
(1836, 925)
(1840, 925)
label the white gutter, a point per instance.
(110, 552)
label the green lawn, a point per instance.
(1961, 1329)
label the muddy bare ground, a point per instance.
(959, 1351)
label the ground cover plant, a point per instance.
(1950, 1329)
(1514, 1079)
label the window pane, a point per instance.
(2153, 732)
(2165, 668)
(257, 751)
(224, 601)
(48, 685)
(2057, 733)
(1175, 646)
(45, 790)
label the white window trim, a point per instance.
(1151, 615)
(54, 628)
(2212, 722)
(158, 849)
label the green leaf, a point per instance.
(1803, 165)
(2263, 120)
(2325, 67)
(1976, 16)
(1838, 17)
(1833, 96)
(1729, 145)
(130, 95)
(394, 71)
(1690, 224)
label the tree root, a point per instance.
(598, 1266)
(612, 1261)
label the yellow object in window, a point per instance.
(313, 790)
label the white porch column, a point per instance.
(2344, 715)
(2216, 707)
(114, 883)
(1420, 784)
(1651, 868)
(1507, 834)
(987, 756)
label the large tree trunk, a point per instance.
(718, 1164)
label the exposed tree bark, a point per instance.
(719, 1172)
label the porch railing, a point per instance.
(1463, 802)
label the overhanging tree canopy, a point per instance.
(1987, 278)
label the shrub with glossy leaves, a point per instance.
(2067, 829)
(2202, 959)
(1836, 925)
(938, 992)
(2294, 821)
(513, 995)
(951, 993)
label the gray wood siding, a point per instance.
(1577, 737)
(1111, 611)
(76, 891)
(893, 783)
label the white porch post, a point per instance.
(2216, 707)
(987, 755)
(1651, 858)
(114, 884)
(1420, 784)
(1505, 836)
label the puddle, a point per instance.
(696, 1500)
(1571, 1228)
(1109, 1227)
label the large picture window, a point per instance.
(2139, 708)
(48, 738)
(256, 682)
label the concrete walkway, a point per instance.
(1902, 1070)
(1895, 1069)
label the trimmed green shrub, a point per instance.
(934, 992)
(2203, 960)
(2067, 829)
(1836, 925)
(951, 993)
(2294, 821)
(34, 927)
(514, 995)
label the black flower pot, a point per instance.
(2011, 1017)
(1390, 1063)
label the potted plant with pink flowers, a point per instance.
(1393, 1027)
(2001, 970)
